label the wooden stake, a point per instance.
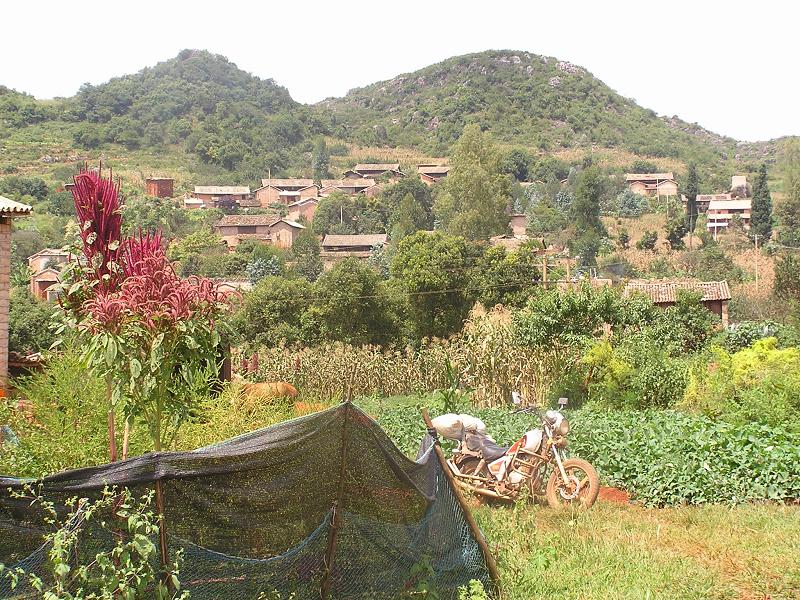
(333, 535)
(162, 534)
(491, 565)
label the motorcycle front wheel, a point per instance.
(581, 488)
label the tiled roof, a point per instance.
(291, 182)
(710, 197)
(12, 208)
(437, 170)
(372, 239)
(342, 183)
(235, 220)
(661, 292)
(377, 167)
(648, 176)
(222, 190)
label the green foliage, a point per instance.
(18, 187)
(711, 263)
(476, 192)
(506, 278)
(201, 242)
(518, 163)
(396, 193)
(675, 230)
(761, 212)
(787, 277)
(409, 218)
(127, 571)
(432, 269)
(631, 204)
(305, 252)
(647, 241)
(624, 239)
(759, 383)
(789, 208)
(692, 189)
(29, 323)
(586, 208)
(350, 304)
(321, 160)
(272, 312)
(343, 214)
(258, 268)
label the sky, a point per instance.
(729, 66)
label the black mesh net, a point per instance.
(325, 501)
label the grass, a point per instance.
(624, 551)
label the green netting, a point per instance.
(254, 514)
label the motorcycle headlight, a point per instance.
(563, 427)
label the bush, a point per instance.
(647, 241)
(760, 383)
(29, 323)
(631, 204)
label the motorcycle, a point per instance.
(485, 468)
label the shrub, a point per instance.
(647, 241)
(631, 204)
(29, 323)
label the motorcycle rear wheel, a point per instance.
(580, 491)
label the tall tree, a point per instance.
(761, 211)
(789, 209)
(321, 160)
(409, 218)
(306, 253)
(692, 189)
(394, 194)
(476, 191)
(586, 206)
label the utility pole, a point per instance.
(756, 238)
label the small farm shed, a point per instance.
(715, 294)
(8, 210)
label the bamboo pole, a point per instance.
(491, 565)
(330, 552)
(162, 534)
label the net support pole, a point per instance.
(162, 534)
(491, 565)
(333, 534)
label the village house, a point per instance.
(518, 223)
(213, 196)
(349, 186)
(664, 293)
(8, 210)
(284, 191)
(268, 229)
(45, 267)
(703, 200)
(721, 213)
(339, 247)
(303, 208)
(431, 173)
(739, 184)
(160, 187)
(375, 170)
(652, 184)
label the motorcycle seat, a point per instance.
(481, 443)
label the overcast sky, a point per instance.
(730, 66)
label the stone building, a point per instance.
(160, 187)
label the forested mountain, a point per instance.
(197, 99)
(522, 98)
(202, 104)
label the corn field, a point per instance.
(484, 358)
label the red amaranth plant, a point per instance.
(137, 248)
(98, 207)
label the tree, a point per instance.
(586, 207)
(29, 323)
(789, 209)
(506, 278)
(647, 241)
(349, 304)
(787, 277)
(692, 189)
(518, 164)
(431, 268)
(272, 313)
(476, 191)
(200, 242)
(631, 204)
(761, 211)
(409, 218)
(306, 255)
(624, 239)
(675, 230)
(322, 160)
(394, 194)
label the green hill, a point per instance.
(523, 99)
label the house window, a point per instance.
(248, 228)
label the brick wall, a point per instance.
(5, 271)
